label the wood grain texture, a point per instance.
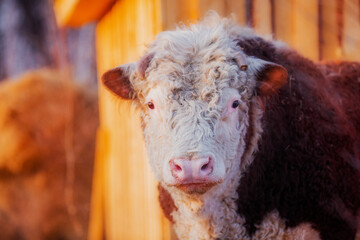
(284, 20)
(329, 45)
(306, 32)
(189, 11)
(262, 17)
(351, 42)
(237, 8)
(130, 201)
(177, 11)
(79, 12)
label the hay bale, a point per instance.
(48, 127)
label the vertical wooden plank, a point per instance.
(329, 44)
(340, 21)
(249, 13)
(272, 15)
(131, 206)
(306, 35)
(96, 229)
(284, 20)
(175, 11)
(206, 5)
(236, 7)
(189, 11)
(78, 12)
(262, 17)
(351, 41)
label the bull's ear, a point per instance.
(270, 76)
(117, 80)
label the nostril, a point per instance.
(207, 166)
(204, 167)
(179, 169)
(175, 167)
(191, 170)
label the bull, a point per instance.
(247, 138)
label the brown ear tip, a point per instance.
(111, 74)
(117, 82)
(283, 73)
(143, 64)
(104, 79)
(275, 77)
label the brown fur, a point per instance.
(35, 116)
(166, 202)
(310, 135)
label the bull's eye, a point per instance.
(235, 104)
(151, 105)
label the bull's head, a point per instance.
(194, 90)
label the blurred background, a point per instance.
(72, 158)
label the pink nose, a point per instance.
(188, 171)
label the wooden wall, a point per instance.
(319, 29)
(125, 202)
(125, 193)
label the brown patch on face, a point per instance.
(196, 188)
(166, 202)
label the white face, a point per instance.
(194, 88)
(189, 129)
(195, 115)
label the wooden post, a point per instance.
(284, 20)
(329, 44)
(78, 12)
(131, 207)
(189, 11)
(306, 34)
(176, 11)
(351, 31)
(262, 17)
(236, 7)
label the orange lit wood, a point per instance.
(218, 6)
(188, 11)
(97, 221)
(330, 48)
(351, 42)
(131, 206)
(78, 12)
(306, 34)
(176, 11)
(284, 20)
(224, 8)
(236, 7)
(262, 17)
(296, 23)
